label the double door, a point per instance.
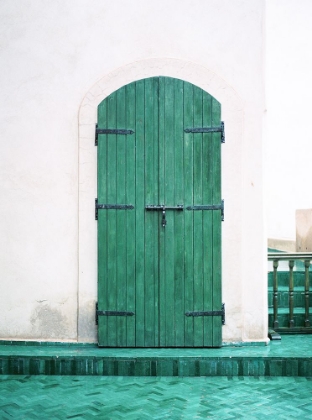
(159, 216)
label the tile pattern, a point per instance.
(292, 356)
(67, 397)
(156, 367)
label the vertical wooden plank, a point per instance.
(179, 310)
(188, 244)
(121, 228)
(130, 215)
(139, 215)
(207, 186)
(151, 217)
(156, 222)
(167, 277)
(216, 235)
(198, 218)
(111, 220)
(102, 224)
(162, 187)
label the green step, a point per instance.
(292, 356)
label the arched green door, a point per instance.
(159, 216)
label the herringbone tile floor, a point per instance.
(132, 398)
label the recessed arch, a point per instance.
(232, 113)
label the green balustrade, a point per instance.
(289, 293)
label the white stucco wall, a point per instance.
(288, 99)
(59, 61)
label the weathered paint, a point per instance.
(159, 269)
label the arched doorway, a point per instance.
(159, 216)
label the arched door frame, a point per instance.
(232, 114)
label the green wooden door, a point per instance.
(159, 268)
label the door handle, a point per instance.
(163, 208)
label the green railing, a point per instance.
(290, 296)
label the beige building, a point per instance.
(59, 61)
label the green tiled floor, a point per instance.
(139, 398)
(233, 382)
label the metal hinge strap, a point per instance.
(114, 313)
(111, 207)
(219, 129)
(161, 207)
(110, 313)
(209, 313)
(121, 131)
(209, 207)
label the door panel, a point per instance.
(156, 272)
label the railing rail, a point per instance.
(289, 256)
(306, 258)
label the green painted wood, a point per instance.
(307, 293)
(208, 150)
(179, 251)
(138, 237)
(162, 197)
(216, 226)
(121, 227)
(102, 226)
(198, 218)
(151, 222)
(290, 290)
(158, 272)
(112, 222)
(130, 215)
(167, 277)
(188, 111)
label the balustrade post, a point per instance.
(291, 293)
(275, 295)
(307, 293)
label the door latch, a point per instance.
(163, 209)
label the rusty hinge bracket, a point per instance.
(111, 207)
(209, 313)
(121, 131)
(110, 313)
(209, 207)
(219, 129)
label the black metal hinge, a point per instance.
(110, 313)
(111, 207)
(209, 313)
(209, 207)
(121, 131)
(219, 129)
